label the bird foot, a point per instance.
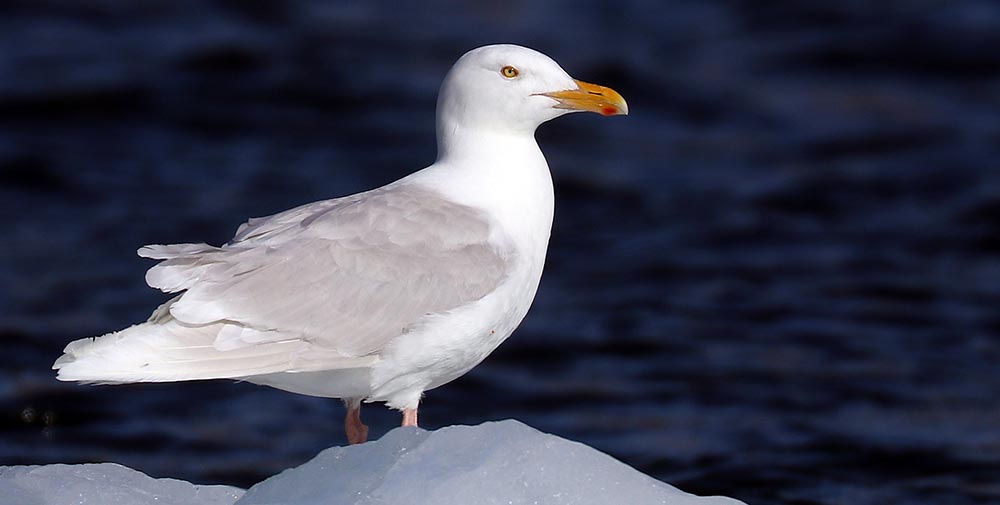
(357, 432)
(410, 417)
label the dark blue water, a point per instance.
(778, 279)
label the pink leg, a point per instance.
(410, 417)
(357, 432)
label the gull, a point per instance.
(381, 295)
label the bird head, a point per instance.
(512, 88)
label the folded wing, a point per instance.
(346, 275)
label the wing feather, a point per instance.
(347, 274)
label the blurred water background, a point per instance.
(778, 279)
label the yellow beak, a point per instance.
(591, 98)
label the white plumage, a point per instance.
(380, 295)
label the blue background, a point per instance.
(778, 279)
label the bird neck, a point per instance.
(494, 165)
(457, 143)
(504, 174)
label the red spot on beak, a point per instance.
(609, 111)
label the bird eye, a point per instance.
(509, 72)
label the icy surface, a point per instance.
(503, 462)
(102, 484)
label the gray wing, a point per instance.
(348, 274)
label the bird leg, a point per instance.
(357, 432)
(410, 417)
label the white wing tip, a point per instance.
(171, 251)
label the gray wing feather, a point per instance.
(348, 274)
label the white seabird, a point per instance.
(381, 295)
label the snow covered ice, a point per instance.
(502, 462)
(102, 484)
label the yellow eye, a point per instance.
(509, 72)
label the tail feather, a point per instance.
(165, 350)
(170, 351)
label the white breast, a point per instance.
(512, 184)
